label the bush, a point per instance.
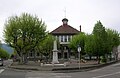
(103, 60)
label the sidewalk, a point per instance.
(58, 67)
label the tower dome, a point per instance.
(65, 21)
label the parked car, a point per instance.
(1, 62)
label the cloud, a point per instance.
(79, 12)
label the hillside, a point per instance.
(7, 48)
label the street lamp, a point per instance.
(79, 49)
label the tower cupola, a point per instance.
(65, 21)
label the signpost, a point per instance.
(79, 49)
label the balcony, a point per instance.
(64, 42)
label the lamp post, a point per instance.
(79, 49)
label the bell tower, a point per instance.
(65, 21)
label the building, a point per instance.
(119, 52)
(64, 34)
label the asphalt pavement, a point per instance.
(10, 73)
(111, 71)
(69, 67)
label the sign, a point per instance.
(79, 49)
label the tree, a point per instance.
(101, 42)
(46, 46)
(100, 37)
(78, 40)
(23, 33)
(113, 40)
(3, 54)
(90, 45)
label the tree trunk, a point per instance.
(25, 60)
(20, 58)
(34, 55)
(98, 58)
(90, 57)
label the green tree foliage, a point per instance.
(24, 32)
(90, 45)
(113, 40)
(101, 42)
(100, 37)
(78, 40)
(45, 47)
(113, 37)
(3, 54)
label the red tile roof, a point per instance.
(65, 29)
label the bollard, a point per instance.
(41, 64)
(65, 64)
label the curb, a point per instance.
(85, 67)
(65, 69)
(21, 68)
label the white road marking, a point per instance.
(107, 75)
(2, 70)
(95, 70)
(34, 77)
(48, 75)
(62, 76)
(54, 74)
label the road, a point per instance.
(111, 71)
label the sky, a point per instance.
(79, 12)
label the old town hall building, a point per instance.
(64, 34)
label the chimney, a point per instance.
(80, 28)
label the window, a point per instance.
(57, 37)
(30, 54)
(65, 38)
(69, 38)
(61, 38)
(38, 54)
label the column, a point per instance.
(63, 38)
(67, 39)
(59, 38)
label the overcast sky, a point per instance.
(79, 12)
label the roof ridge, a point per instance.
(65, 29)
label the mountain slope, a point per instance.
(7, 48)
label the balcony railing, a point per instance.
(64, 42)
